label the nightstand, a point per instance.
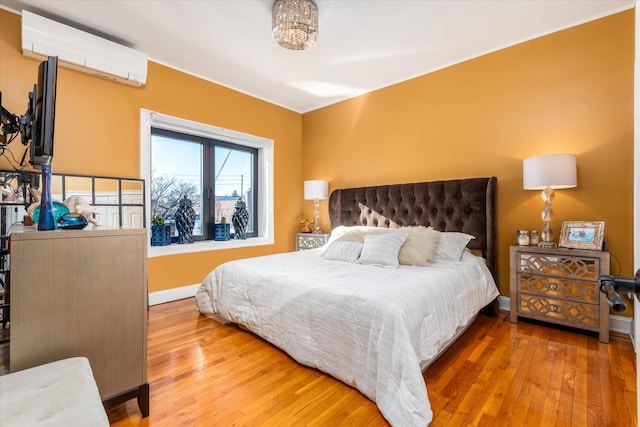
(310, 240)
(560, 286)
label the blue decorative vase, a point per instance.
(46, 221)
(240, 218)
(160, 235)
(221, 232)
(185, 219)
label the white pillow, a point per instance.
(382, 249)
(343, 251)
(451, 246)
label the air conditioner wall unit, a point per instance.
(43, 37)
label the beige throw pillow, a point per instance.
(421, 246)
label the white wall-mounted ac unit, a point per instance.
(42, 37)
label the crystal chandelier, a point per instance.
(295, 23)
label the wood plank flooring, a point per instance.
(202, 373)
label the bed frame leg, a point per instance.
(492, 309)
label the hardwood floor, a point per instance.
(202, 373)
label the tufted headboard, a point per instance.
(466, 205)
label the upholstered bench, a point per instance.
(61, 393)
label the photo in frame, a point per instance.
(582, 235)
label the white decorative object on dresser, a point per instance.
(310, 240)
(82, 293)
(560, 286)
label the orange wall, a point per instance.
(571, 91)
(96, 133)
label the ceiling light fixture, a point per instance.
(295, 24)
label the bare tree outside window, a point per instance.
(166, 193)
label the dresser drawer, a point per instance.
(570, 313)
(559, 265)
(559, 287)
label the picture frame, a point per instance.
(582, 235)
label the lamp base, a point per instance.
(547, 245)
(316, 222)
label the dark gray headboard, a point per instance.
(466, 205)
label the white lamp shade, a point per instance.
(316, 189)
(554, 170)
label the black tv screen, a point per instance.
(44, 113)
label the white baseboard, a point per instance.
(168, 295)
(504, 303)
(618, 324)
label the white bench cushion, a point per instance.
(61, 393)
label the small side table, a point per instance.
(559, 285)
(310, 240)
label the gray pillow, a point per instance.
(451, 246)
(343, 251)
(382, 249)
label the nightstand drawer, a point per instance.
(559, 265)
(570, 313)
(559, 287)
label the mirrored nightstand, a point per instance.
(310, 240)
(560, 286)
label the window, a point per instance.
(214, 168)
(213, 174)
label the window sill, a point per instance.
(204, 246)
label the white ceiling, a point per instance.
(362, 45)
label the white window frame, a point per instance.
(149, 119)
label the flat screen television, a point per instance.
(41, 108)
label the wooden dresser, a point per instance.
(560, 286)
(82, 293)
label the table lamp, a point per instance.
(316, 190)
(546, 173)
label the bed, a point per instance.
(350, 309)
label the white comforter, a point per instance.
(368, 326)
